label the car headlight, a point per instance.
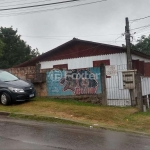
(16, 90)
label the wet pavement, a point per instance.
(32, 135)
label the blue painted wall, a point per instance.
(74, 82)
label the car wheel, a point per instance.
(5, 99)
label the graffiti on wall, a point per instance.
(74, 82)
(80, 81)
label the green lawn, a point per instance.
(121, 118)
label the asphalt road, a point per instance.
(32, 135)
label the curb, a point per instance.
(7, 114)
(2, 113)
(44, 118)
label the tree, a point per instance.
(143, 44)
(14, 50)
(1, 48)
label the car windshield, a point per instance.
(7, 77)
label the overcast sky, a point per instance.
(100, 22)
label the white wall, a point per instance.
(135, 57)
(145, 85)
(86, 62)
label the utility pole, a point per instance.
(129, 58)
(128, 45)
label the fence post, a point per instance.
(103, 82)
(139, 92)
(147, 101)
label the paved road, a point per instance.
(24, 135)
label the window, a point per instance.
(6, 76)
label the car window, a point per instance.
(7, 77)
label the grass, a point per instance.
(79, 113)
(46, 118)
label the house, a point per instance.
(78, 57)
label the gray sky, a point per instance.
(100, 22)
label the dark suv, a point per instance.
(13, 89)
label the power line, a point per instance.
(61, 36)
(59, 8)
(140, 18)
(9, 2)
(143, 30)
(71, 36)
(31, 3)
(69, 1)
(143, 33)
(119, 37)
(19, 1)
(141, 27)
